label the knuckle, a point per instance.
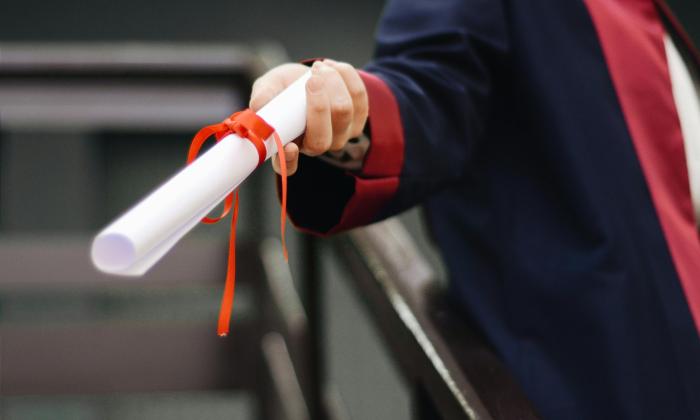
(315, 148)
(345, 67)
(260, 85)
(318, 107)
(359, 94)
(338, 144)
(356, 131)
(343, 111)
(260, 94)
(361, 115)
(255, 101)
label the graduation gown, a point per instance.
(542, 139)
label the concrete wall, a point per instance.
(307, 28)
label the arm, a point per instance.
(428, 90)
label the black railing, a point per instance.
(449, 366)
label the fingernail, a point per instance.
(316, 66)
(330, 61)
(315, 84)
(326, 68)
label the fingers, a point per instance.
(319, 131)
(337, 106)
(340, 103)
(273, 82)
(358, 94)
(291, 156)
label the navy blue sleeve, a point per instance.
(429, 85)
(438, 58)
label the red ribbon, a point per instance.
(248, 125)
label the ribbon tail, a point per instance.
(228, 203)
(230, 285)
(283, 205)
(247, 125)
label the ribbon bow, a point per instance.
(248, 125)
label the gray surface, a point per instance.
(359, 364)
(46, 178)
(106, 104)
(303, 26)
(167, 405)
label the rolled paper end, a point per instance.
(113, 253)
(154, 225)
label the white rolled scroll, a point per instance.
(138, 239)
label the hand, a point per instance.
(336, 106)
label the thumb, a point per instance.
(291, 157)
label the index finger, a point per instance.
(273, 82)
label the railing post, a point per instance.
(311, 293)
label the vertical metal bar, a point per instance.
(311, 293)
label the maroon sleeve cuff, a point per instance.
(371, 189)
(378, 180)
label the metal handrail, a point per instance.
(436, 348)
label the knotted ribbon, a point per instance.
(248, 125)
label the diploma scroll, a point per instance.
(133, 243)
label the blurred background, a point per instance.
(98, 102)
